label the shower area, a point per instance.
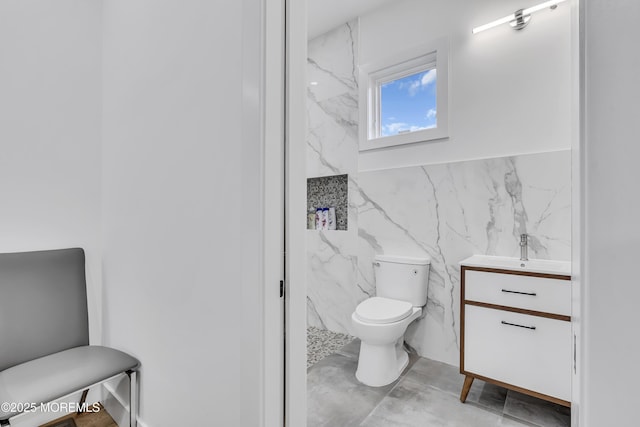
(332, 165)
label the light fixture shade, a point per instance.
(512, 17)
(495, 23)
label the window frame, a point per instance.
(425, 57)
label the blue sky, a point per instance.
(408, 104)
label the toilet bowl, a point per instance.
(381, 332)
(381, 321)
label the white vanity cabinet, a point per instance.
(516, 328)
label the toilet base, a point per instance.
(379, 365)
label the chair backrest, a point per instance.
(43, 304)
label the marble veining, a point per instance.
(331, 280)
(332, 102)
(332, 149)
(447, 211)
(452, 211)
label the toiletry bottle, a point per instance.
(332, 218)
(325, 218)
(311, 219)
(319, 219)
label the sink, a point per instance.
(543, 266)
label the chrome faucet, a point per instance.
(524, 248)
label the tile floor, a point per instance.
(427, 394)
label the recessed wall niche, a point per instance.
(327, 192)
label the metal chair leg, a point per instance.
(83, 399)
(133, 398)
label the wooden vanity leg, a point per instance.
(468, 380)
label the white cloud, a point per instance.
(398, 127)
(393, 128)
(420, 83)
(432, 113)
(428, 78)
(414, 87)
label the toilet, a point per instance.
(381, 321)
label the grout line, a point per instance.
(398, 381)
(425, 384)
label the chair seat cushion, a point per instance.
(54, 376)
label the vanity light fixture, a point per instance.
(520, 18)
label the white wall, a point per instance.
(182, 207)
(612, 237)
(180, 166)
(577, 211)
(50, 131)
(510, 91)
(296, 189)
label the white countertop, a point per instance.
(507, 263)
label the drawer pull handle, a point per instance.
(533, 294)
(519, 326)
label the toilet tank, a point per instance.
(402, 278)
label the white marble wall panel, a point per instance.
(332, 142)
(332, 149)
(332, 264)
(452, 211)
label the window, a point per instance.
(407, 104)
(404, 99)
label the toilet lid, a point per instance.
(383, 310)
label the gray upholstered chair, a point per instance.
(44, 333)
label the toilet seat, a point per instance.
(380, 310)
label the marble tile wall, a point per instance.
(448, 211)
(332, 149)
(332, 102)
(452, 211)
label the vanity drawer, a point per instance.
(519, 291)
(535, 359)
